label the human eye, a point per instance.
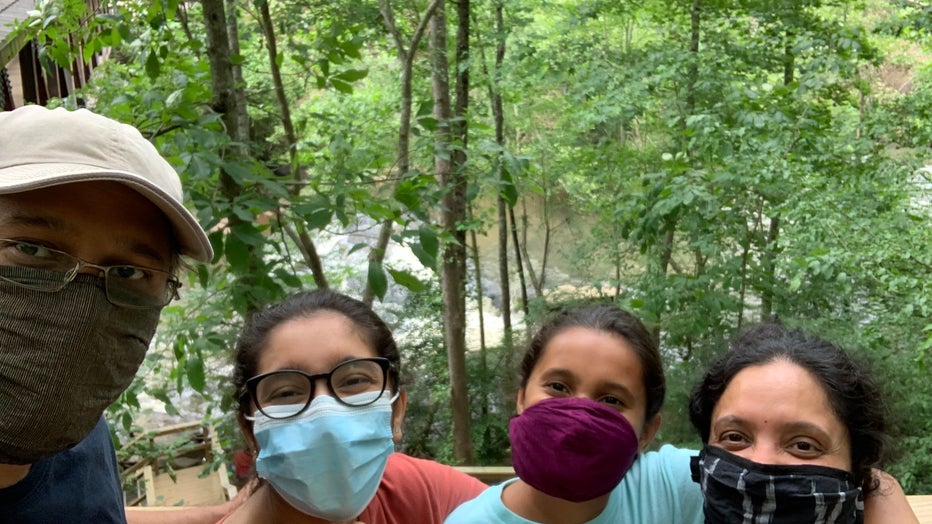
(131, 273)
(282, 388)
(27, 253)
(138, 279)
(733, 440)
(805, 447)
(356, 380)
(613, 401)
(356, 377)
(557, 388)
(284, 395)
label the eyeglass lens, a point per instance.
(294, 388)
(125, 284)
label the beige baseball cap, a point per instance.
(42, 147)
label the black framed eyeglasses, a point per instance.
(34, 266)
(290, 391)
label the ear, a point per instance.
(246, 427)
(398, 414)
(649, 432)
(519, 403)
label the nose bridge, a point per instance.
(764, 451)
(319, 385)
(582, 391)
(87, 268)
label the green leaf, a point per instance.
(316, 212)
(508, 190)
(430, 241)
(341, 85)
(152, 65)
(249, 233)
(352, 75)
(169, 405)
(356, 247)
(427, 260)
(377, 280)
(236, 253)
(194, 368)
(407, 280)
(289, 278)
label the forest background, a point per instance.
(480, 163)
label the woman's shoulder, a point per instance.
(424, 487)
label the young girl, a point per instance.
(591, 389)
(320, 404)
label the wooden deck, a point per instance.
(191, 489)
(188, 488)
(157, 484)
(922, 507)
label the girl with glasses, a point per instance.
(317, 381)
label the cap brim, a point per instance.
(190, 236)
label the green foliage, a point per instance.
(775, 171)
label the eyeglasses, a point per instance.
(41, 268)
(290, 391)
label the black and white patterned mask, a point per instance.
(738, 491)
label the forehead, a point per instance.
(94, 220)
(314, 343)
(778, 393)
(593, 355)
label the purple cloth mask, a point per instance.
(572, 448)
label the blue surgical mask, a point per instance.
(327, 461)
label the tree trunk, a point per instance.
(518, 260)
(300, 235)
(769, 269)
(403, 162)
(770, 249)
(498, 119)
(453, 256)
(223, 84)
(232, 108)
(233, 35)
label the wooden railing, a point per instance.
(922, 507)
(921, 504)
(155, 484)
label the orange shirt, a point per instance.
(417, 491)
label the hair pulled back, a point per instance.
(852, 393)
(609, 319)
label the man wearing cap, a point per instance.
(92, 227)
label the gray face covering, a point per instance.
(64, 357)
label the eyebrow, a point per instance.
(36, 221)
(54, 224)
(797, 425)
(291, 364)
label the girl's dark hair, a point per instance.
(252, 340)
(610, 319)
(851, 390)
